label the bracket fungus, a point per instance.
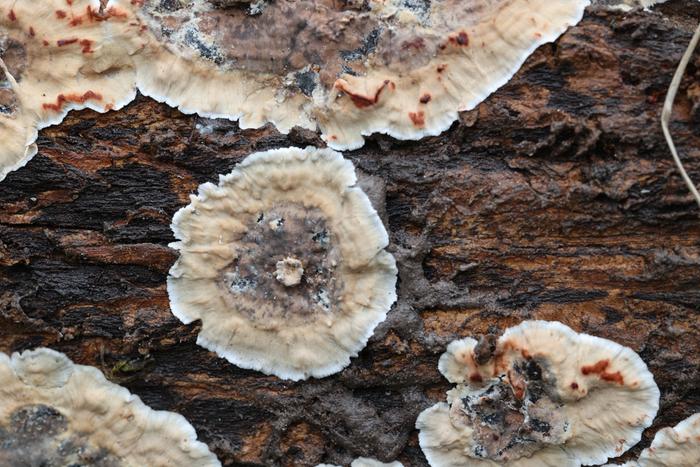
(404, 68)
(54, 412)
(284, 263)
(673, 447)
(540, 395)
(56, 56)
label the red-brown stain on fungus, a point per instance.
(574, 385)
(72, 98)
(60, 14)
(599, 369)
(76, 21)
(418, 118)
(538, 35)
(425, 98)
(441, 68)
(462, 39)
(86, 45)
(596, 368)
(476, 378)
(31, 31)
(12, 16)
(359, 100)
(45, 42)
(137, 2)
(417, 43)
(64, 42)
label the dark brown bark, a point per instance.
(556, 199)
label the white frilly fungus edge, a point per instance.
(103, 413)
(607, 417)
(210, 225)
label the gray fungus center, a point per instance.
(285, 272)
(39, 435)
(514, 417)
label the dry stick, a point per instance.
(668, 106)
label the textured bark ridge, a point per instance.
(555, 199)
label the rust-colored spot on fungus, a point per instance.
(538, 35)
(137, 2)
(72, 98)
(613, 377)
(60, 14)
(113, 12)
(596, 368)
(418, 118)
(599, 369)
(64, 42)
(425, 98)
(359, 100)
(415, 43)
(476, 378)
(45, 42)
(86, 45)
(12, 16)
(574, 385)
(460, 39)
(442, 67)
(76, 21)
(31, 31)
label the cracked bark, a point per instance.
(555, 199)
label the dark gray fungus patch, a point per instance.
(38, 435)
(513, 417)
(285, 231)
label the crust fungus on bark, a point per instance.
(54, 412)
(284, 263)
(57, 56)
(543, 395)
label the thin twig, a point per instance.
(668, 107)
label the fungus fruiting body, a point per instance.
(57, 56)
(366, 462)
(541, 394)
(284, 263)
(678, 446)
(350, 68)
(53, 412)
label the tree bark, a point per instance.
(555, 199)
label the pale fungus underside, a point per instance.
(56, 413)
(284, 263)
(539, 395)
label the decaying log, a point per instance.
(556, 199)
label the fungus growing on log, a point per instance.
(541, 394)
(350, 68)
(673, 447)
(284, 263)
(366, 462)
(56, 56)
(54, 412)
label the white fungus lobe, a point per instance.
(284, 263)
(366, 462)
(539, 395)
(348, 69)
(678, 446)
(55, 413)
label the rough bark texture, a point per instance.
(555, 199)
